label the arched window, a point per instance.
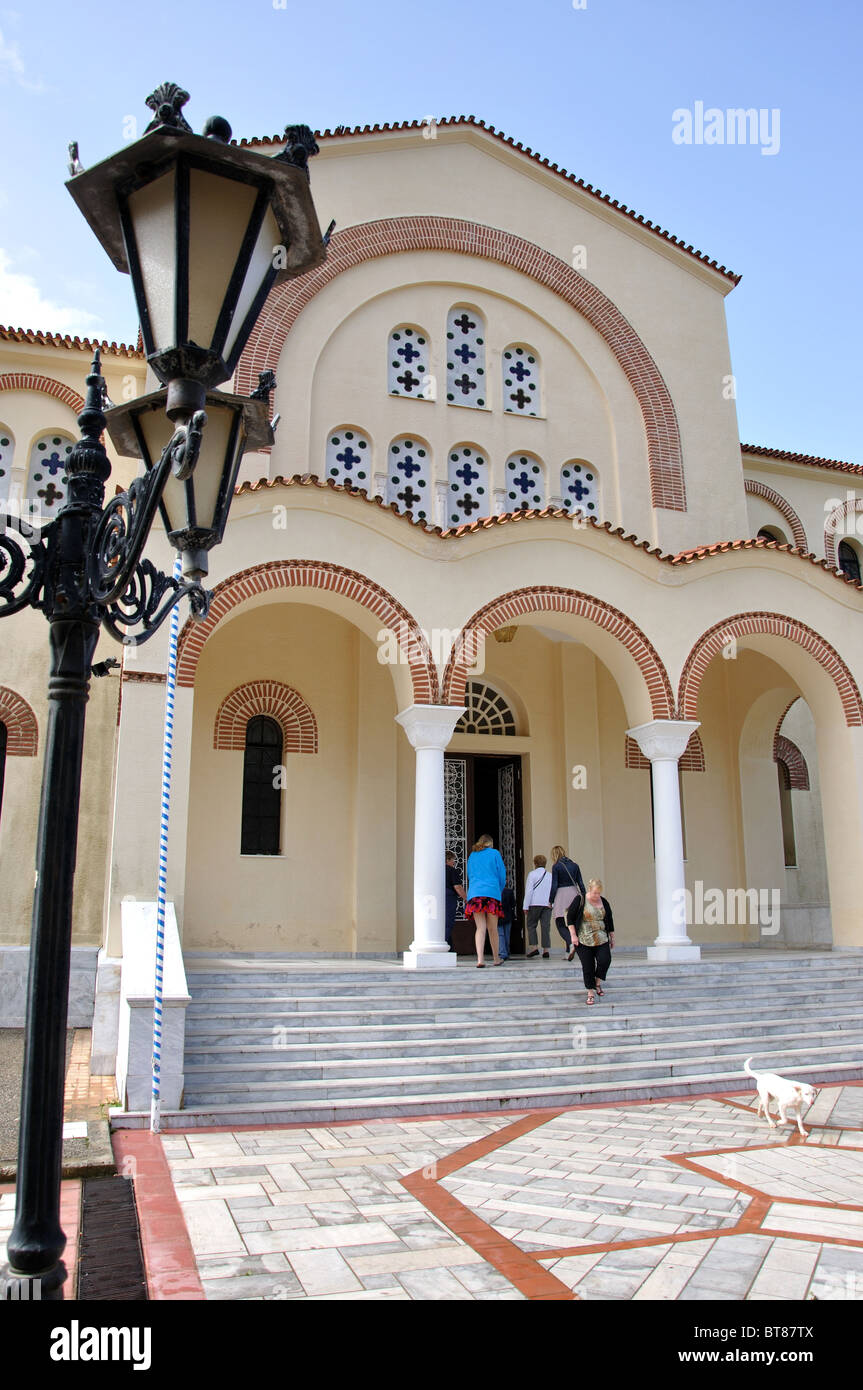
(408, 474)
(525, 483)
(7, 450)
(46, 478)
(849, 561)
(408, 363)
(772, 533)
(349, 457)
(465, 352)
(2, 761)
(262, 796)
(520, 367)
(468, 496)
(486, 712)
(579, 488)
(787, 814)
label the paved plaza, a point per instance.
(689, 1199)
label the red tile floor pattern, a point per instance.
(172, 1271)
(171, 1261)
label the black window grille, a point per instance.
(262, 796)
(486, 712)
(849, 562)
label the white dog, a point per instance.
(789, 1095)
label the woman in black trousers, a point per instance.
(591, 927)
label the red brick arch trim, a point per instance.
(691, 760)
(545, 599)
(281, 702)
(747, 624)
(787, 753)
(22, 731)
(370, 240)
(833, 528)
(758, 489)
(314, 574)
(29, 381)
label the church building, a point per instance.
(506, 556)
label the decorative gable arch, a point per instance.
(391, 235)
(742, 625)
(836, 528)
(786, 752)
(22, 731)
(411, 641)
(551, 599)
(274, 699)
(31, 381)
(755, 488)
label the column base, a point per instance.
(430, 959)
(671, 951)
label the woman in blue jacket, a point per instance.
(486, 879)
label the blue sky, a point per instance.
(592, 85)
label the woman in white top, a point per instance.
(537, 905)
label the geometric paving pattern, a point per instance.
(692, 1199)
(321, 1213)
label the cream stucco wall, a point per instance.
(338, 806)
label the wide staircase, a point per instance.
(285, 1041)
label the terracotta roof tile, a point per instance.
(33, 335)
(811, 460)
(683, 557)
(391, 126)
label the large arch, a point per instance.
(548, 599)
(22, 731)
(31, 381)
(775, 624)
(390, 236)
(758, 489)
(315, 574)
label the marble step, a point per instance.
(718, 964)
(507, 981)
(487, 1012)
(503, 1077)
(492, 1023)
(228, 1074)
(606, 1032)
(492, 1101)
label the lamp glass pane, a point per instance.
(263, 259)
(220, 209)
(207, 477)
(152, 212)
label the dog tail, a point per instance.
(747, 1068)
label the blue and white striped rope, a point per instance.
(161, 895)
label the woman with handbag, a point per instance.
(591, 925)
(567, 884)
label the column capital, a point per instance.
(430, 726)
(664, 740)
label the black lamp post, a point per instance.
(206, 229)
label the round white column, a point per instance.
(429, 729)
(664, 741)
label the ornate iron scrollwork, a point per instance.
(125, 523)
(142, 603)
(23, 559)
